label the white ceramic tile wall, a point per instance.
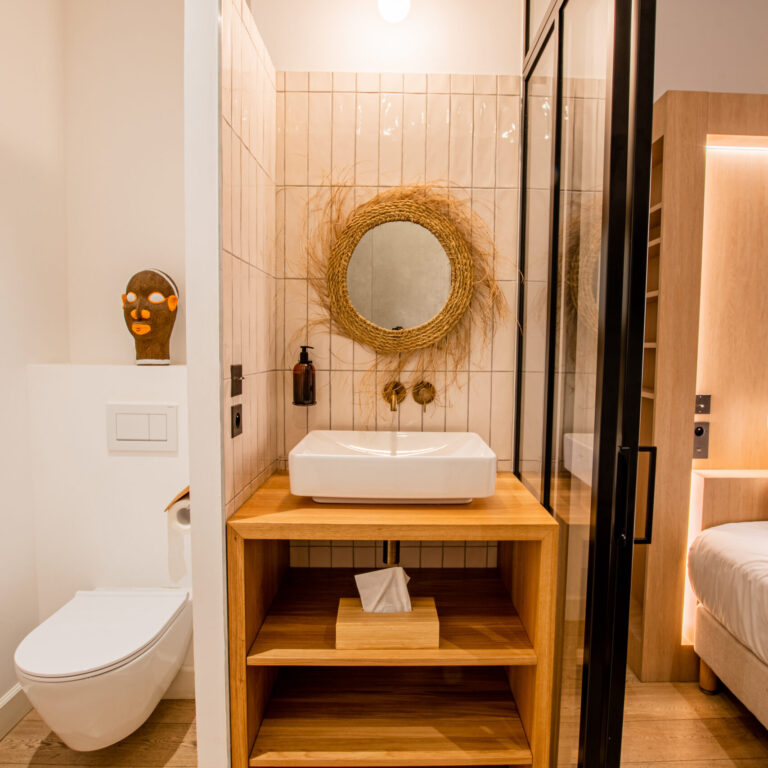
(369, 131)
(249, 271)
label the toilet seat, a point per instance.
(98, 632)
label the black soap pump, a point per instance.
(304, 379)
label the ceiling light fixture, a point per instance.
(394, 10)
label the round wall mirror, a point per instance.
(399, 275)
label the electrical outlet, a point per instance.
(237, 420)
(701, 440)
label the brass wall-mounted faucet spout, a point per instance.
(394, 394)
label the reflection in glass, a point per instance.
(398, 276)
(586, 25)
(538, 190)
(536, 11)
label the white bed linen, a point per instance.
(728, 569)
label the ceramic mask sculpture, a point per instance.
(150, 302)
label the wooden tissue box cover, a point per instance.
(358, 630)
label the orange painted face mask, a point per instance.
(149, 308)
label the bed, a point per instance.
(728, 571)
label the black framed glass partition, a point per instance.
(587, 102)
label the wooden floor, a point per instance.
(666, 725)
(167, 739)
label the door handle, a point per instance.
(651, 451)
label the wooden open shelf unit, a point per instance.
(483, 697)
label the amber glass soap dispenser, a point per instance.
(304, 380)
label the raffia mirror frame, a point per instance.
(474, 300)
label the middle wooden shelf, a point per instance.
(478, 622)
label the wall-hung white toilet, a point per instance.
(96, 669)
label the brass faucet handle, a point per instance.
(394, 394)
(424, 393)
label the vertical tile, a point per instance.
(386, 419)
(505, 330)
(345, 82)
(391, 139)
(485, 85)
(319, 138)
(226, 187)
(476, 557)
(275, 407)
(320, 81)
(391, 82)
(507, 236)
(246, 204)
(236, 195)
(226, 60)
(226, 310)
(237, 75)
(438, 135)
(342, 557)
(246, 326)
(295, 319)
(264, 325)
(438, 83)
(364, 409)
(368, 82)
(318, 203)
(509, 85)
(461, 140)
(258, 108)
(279, 255)
(296, 222)
(295, 416)
(319, 416)
(409, 413)
(342, 358)
(280, 139)
(453, 556)
(502, 414)
(343, 145)
(238, 274)
(431, 557)
(507, 154)
(457, 402)
(484, 142)
(320, 557)
(279, 359)
(433, 418)
(280, 81)
(365, 557)
(414, 138)
(299, 556)
(342, 394)
(297, 81)
(367, 140)
(296, 137)
(415, 83)
(480, 404)
(247, 90)
(462, 84)
(319, 332)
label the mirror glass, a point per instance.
(398, 276)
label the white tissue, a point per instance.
(384, 591)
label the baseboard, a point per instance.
(13, 706)
(183, 685)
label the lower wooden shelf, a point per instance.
(426, 716)
(478, 622)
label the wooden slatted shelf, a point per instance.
(478, 623)
(655, 208)
(652, 295)
(391, 717)
(648, 393)
(654, 243)
(650, 345)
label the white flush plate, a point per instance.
(142, 427)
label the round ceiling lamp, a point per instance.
(394, 10)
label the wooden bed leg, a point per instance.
(708, 681)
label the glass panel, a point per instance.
(538, 185)
(536, 11)
(586, 30)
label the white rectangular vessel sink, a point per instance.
(392, 467)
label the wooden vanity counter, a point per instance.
(483, 697)
(274, 513)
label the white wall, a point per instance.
(478, 37)
(124, 76)
(99, 517)
(33, 309)
(709, 45)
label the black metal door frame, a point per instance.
(629, 105)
